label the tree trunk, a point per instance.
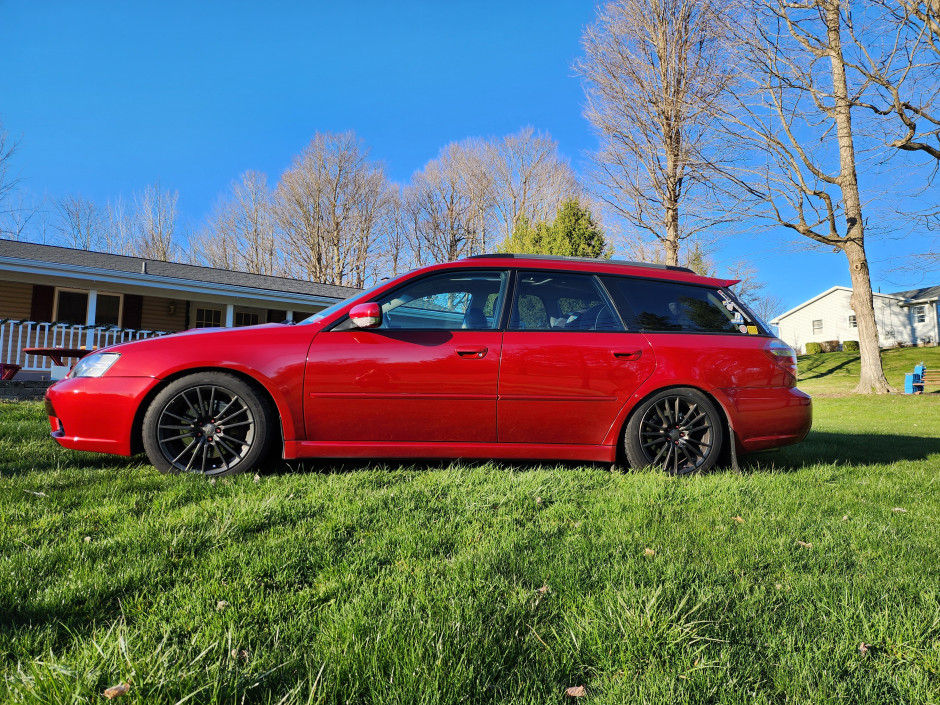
(672, 195)
(872, 374)
(671, 243)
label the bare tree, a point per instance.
(7, 182)
(445, 206)
(752, 291)
(654, 73)
(16, 216)
(479, 184)
(241, 234)
(328, 207)
(397, 255)
(80, 222)
(155, 223)
(895, 47)
(800, 120)
(530, 179)
(767, 306)
(118, 235)
(214, 245)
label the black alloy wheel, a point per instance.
(678, 431)
(210, 423)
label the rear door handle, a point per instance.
(634, 354)
(472, 352)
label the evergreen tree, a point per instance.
(573, 234)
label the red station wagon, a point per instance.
(494, 356)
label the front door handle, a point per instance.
(633, 354)
(472, 352)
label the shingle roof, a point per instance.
(918, 294)
(137, 265)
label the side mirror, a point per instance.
(366, 315)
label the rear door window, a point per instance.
(661, 306)
(560, 301)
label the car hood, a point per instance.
(215, 334)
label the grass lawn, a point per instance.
(481, 583)
(837, 373)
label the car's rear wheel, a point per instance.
(211, 423)
(677, 430)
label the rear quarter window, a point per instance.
(659, 306)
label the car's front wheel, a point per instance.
(211, 423)
(677, 430)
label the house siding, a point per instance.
(155, 314)
(925, 332)
(833, 310)
(16, 299)
(895, 322)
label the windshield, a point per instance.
(330, 310)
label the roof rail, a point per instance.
(598, 260)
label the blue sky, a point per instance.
(107, 97)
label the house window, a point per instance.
(919, 313)
(853, 322)
(108, 310)
(817, 327)
(71, 306)
(208, 318)
(246, 319)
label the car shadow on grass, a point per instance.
(844, 449)
(340, 466)
(819, 448)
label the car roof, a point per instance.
(648, 270)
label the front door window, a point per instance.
(448, 301)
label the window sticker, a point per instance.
(743, 322)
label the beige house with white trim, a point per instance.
(58, 296)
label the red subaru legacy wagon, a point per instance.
(495, 356)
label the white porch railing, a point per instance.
(16, 335)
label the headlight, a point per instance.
(94, 365)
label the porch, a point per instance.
(15, 335)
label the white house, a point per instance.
(903, 318)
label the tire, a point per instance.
(211, 423)
(678, 430)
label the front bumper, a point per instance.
(96, 413)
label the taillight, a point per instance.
(782, 354)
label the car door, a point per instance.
(428, 373)
(568, 364)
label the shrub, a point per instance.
(813, 348)
(830, 346)
(850, 346)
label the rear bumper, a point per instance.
(96, 413)
(765, 418)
